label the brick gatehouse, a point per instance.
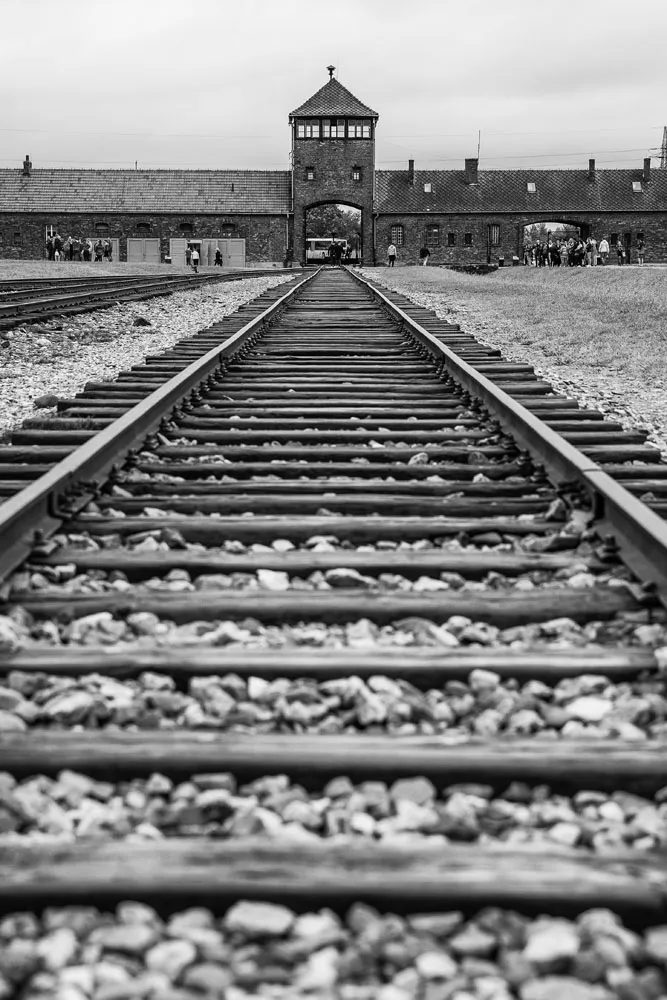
(258, 215)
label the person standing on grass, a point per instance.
(391, 255)
(640, 250)
(424, 255)
(195, 259)
(604, 250)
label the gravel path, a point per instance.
(265, 950)
(59, 356)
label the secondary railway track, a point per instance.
(27, 301)
(346, 591)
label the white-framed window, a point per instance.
(428, 187)
(310, 173)
(397, 235)
(359, 128)
(531, 187)
(356, 173)
(637, 187)
(308, 129)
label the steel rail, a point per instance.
(97, 296)
(34, 509)
(640, 533)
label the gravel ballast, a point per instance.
(74, 806)
(589, 706)
(57, 357)
(261, 949)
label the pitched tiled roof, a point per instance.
(506, 191)
(201, 191)
(333, 99)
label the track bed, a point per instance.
(328, 631)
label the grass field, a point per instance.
(598, 333)
(599, 318)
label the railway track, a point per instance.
(30, 300)
(345, 612)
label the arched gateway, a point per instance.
(333, 160)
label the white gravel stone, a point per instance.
(259, 919)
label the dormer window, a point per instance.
(428, 187)
(531, 187)
(637, 187)
(308, 129)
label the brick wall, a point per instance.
(333, 161)
(653, 225)
(265, 235)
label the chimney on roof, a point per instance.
(27, 165)
(471, 176)
(647, 169)
(411, 173)
(591, 170)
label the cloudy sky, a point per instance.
(210, 83)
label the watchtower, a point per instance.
(333, 159)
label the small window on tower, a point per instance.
(356, 173)
(310, 173)
(428, 187)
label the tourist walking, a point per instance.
(195, 259)
(391, 255)
(424, 255)
(604, 250)
(640, 250)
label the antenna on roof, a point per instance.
(663, 149)
(331, 71)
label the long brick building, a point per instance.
(257, 216)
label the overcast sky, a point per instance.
(210, 83)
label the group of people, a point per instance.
(78, 248)
(577, 252)
(337, 253)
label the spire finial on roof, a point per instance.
(331, 71)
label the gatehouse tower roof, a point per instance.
(333, 99)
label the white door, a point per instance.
(177, 251)
(233, 253)
(144, 251)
